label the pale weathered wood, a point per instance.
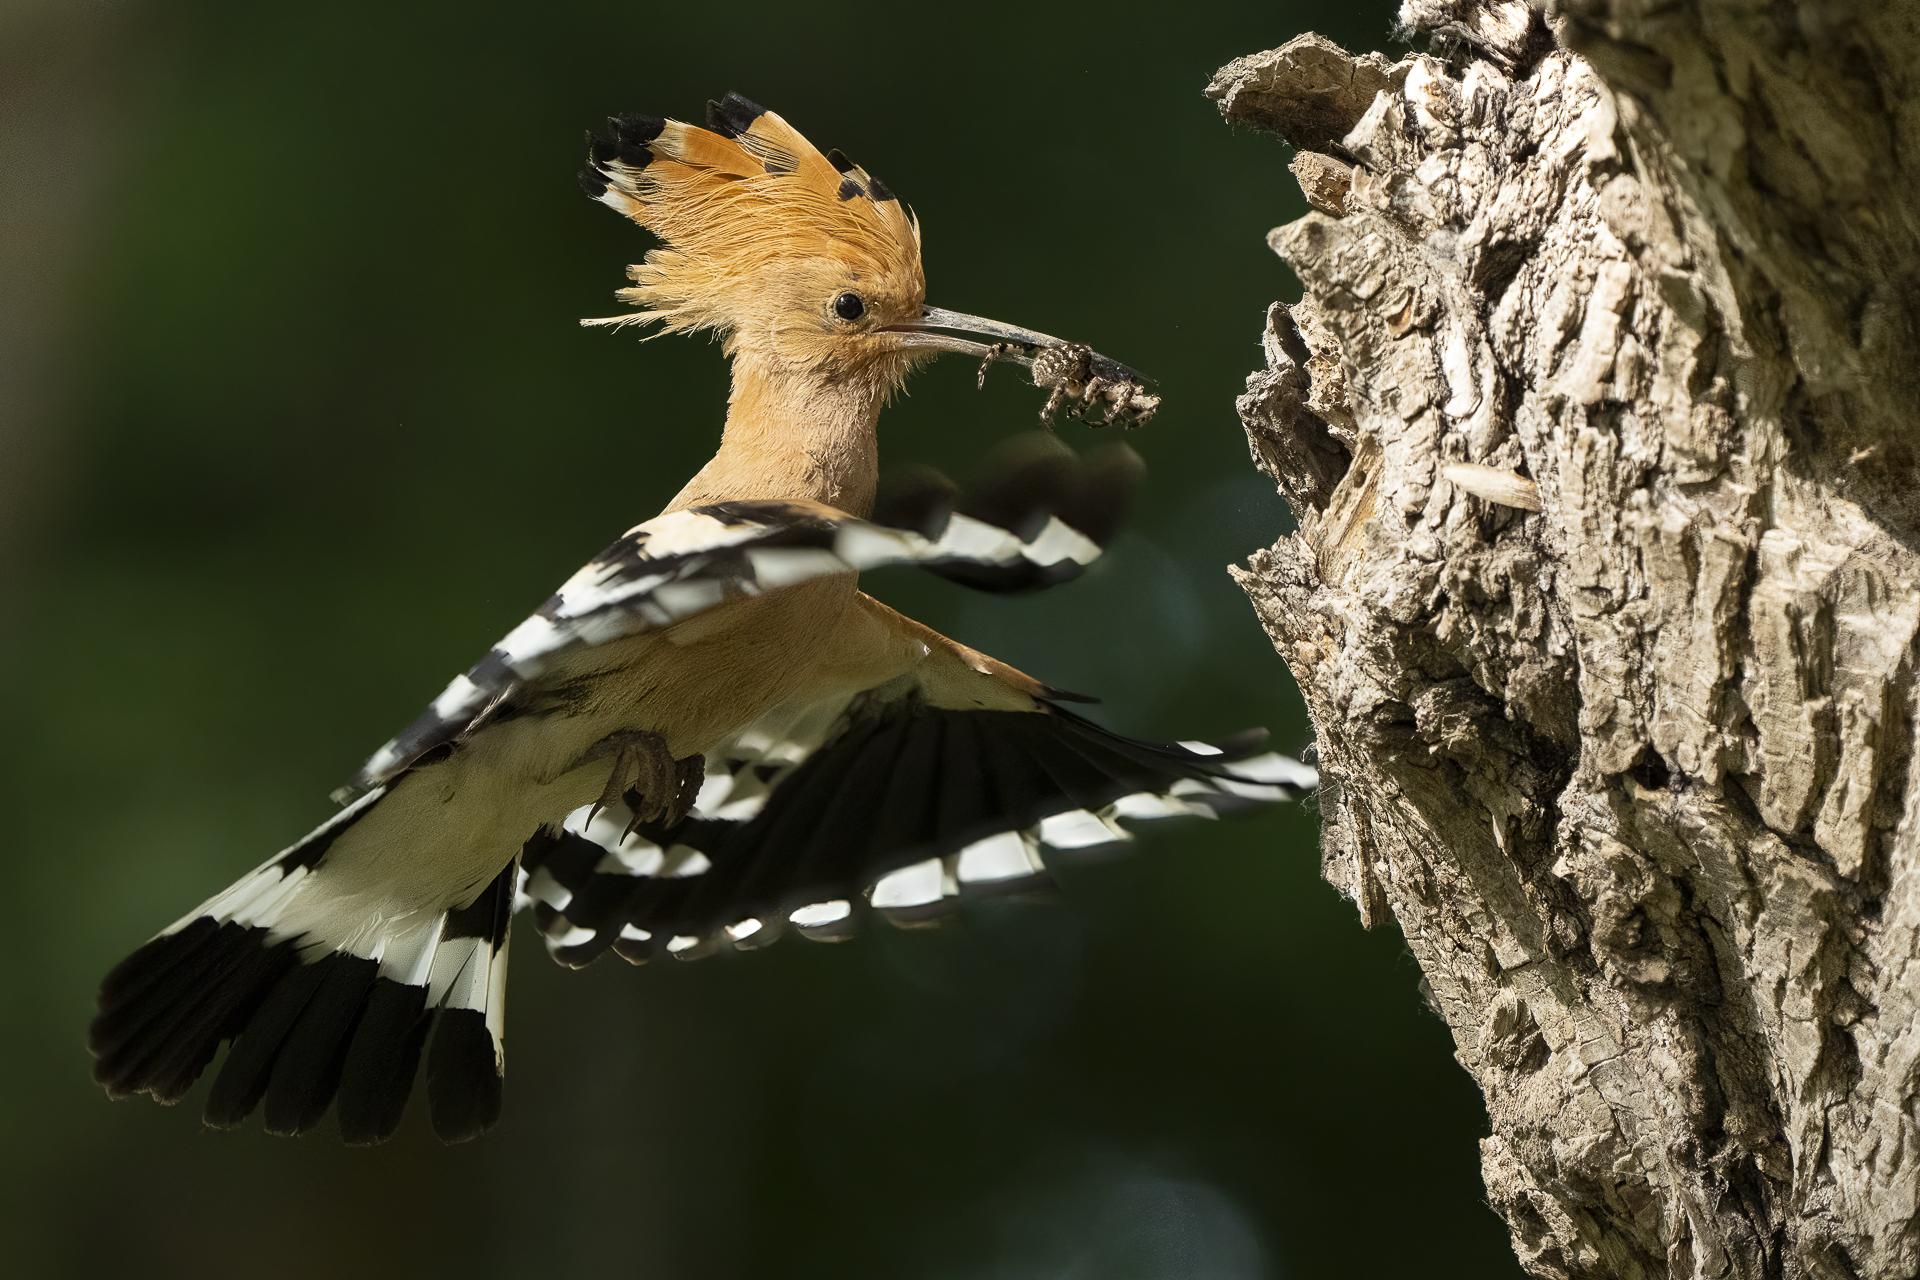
(1635, 773)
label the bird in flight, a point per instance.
(708, 737)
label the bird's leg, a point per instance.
(689, 772)
(645, 777)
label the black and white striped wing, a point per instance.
(1040, 518)
(882, 803)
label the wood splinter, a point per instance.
(1505, 488)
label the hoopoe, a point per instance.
(709, 736)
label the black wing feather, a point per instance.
(899, 782)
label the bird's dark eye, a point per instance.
(848, 306)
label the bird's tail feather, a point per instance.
(317, 1014)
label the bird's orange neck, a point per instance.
(793, 436)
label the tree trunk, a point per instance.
(1597, 418)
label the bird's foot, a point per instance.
(646, 778)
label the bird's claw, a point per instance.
(646, 778)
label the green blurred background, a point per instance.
(295, 418)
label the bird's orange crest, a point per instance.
(764, 238)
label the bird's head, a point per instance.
(805, 264)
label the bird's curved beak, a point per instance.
(1079, 379)
(992, 340)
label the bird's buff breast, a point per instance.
(702, 681)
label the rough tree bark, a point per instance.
(1633, 769)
